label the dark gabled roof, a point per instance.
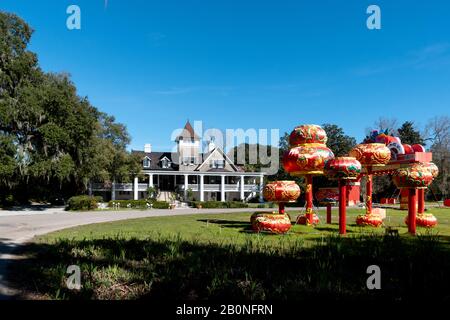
(188, 132)
(155, 159)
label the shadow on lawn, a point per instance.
(246, 226)
(172, 268)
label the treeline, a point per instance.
(52, 141)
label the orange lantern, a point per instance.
(307, 157)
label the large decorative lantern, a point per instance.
(343, 169)
(270, 222)
(279, 192)
(370, 155)
(327, 197)
(307, 157)
(416, 176)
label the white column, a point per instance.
(135, 188)
(202, 189)
(113, 191)
(242, 188)
(261, 187)
(186, 185)
(150, 180)
(222, 188)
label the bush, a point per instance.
(160, 205)
(139, 204)
(134, 204)
(219, 204)
(78, 203)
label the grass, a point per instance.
(217, 256)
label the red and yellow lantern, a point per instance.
(416, 176)
(281, 191)
(371, 154)
(270, 222)
(343, 169)
(307, 157)
(371, 220)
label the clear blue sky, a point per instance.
(248, 64)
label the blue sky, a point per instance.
(248, 64)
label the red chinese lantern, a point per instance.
(370, 155)
(270, 222)
(342, 169)
(307, 157)
(416, 176)
(279, 192)
(372, 220)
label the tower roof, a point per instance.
(187, 132)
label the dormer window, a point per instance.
(165, 163)
(146, 162)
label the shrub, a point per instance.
(139, 204)
(77, 203)
(160, 205)
(134, 204)
(219, 204)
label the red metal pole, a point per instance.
(412, 211)
(342, 206)
(421, 200)
(281, 208)
(369, 192)
(309, 199)
(328, 213)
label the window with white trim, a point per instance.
(146, 162)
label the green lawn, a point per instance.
(217, 256)
(235, 228)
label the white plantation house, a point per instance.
(209, 175)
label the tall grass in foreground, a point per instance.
(171, 267)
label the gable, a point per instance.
(215, 157)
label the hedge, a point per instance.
(78, 203)
(220, 204)
(139, 204)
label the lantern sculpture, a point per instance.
(306, 157)
(416, 176)
(370, 155)
(343, 169)
(421, 199)
(328, 197)
(279, 192)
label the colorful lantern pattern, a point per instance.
(372, 220)
(326, 195)
(371, 154)
(307, 133)
(426, 220)
(346, 168)
(307, 159)
(270, 222)
(281, 191)
(418, 175)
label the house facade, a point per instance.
(190, 172)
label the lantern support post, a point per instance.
(421, 201)
(281, 208)
(369, 187)
(309, 198)
(342, 206)
(412, 200)
(328, 213)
